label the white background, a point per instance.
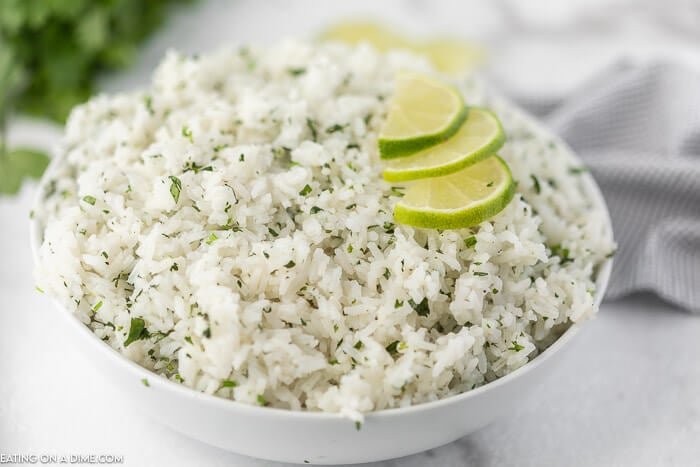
(630, 394)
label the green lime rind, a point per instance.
(471, 215)
(489, 148)
(393, 148)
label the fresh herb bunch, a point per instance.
(50, 55)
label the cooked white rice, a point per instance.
(237, 207)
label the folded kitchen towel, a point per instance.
(637, 127)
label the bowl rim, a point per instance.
(156, 381)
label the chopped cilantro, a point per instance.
(469, 242)
(145, 382)
(562, 253)
(273, 232)
(517, 347)
(536, 182)
(228, 384)
(315, 210)
(89, 200)
(261, 399)
(187, 133)
(312, 128)
(175, 188)
(577, 170)
(212, 238)
(306, 190)
(334, 128)
(392, 348)
(148, 102)
(422, 308)
(296, 71)
(137, 331)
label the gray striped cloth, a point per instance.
(638, 129)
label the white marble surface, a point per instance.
(629, 395)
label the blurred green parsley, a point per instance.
(50, 54)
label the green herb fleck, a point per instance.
(273, 232)
(315, 210)
(97, 306)
(577, 170)
(535, 180)
(89, 200)
(469, 242)
(358, 426)
(296, 71)
(398, 303)
(187, 133)
(175, 188)
(422, 308)
(228, 384)
(148, 102)
(290, 264)
(219, 147)
(145, 382)
(212, 238)
(38, 289)
(137, 331)
(481, 274)
(306, 190)
(261, 399)
(312, 128)
(562, 253)
(358, 345)
(517, 347)
(392, 348)
(334, 128)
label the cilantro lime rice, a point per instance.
(228, 228)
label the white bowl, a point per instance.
(321, 438)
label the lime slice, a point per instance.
(479, 137)
(453, 57)
(356, 32)
(461, 199)
(423, 112)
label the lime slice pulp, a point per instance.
(461, 199)
(479, 137)
(423, 112)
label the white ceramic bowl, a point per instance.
(320, 438)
